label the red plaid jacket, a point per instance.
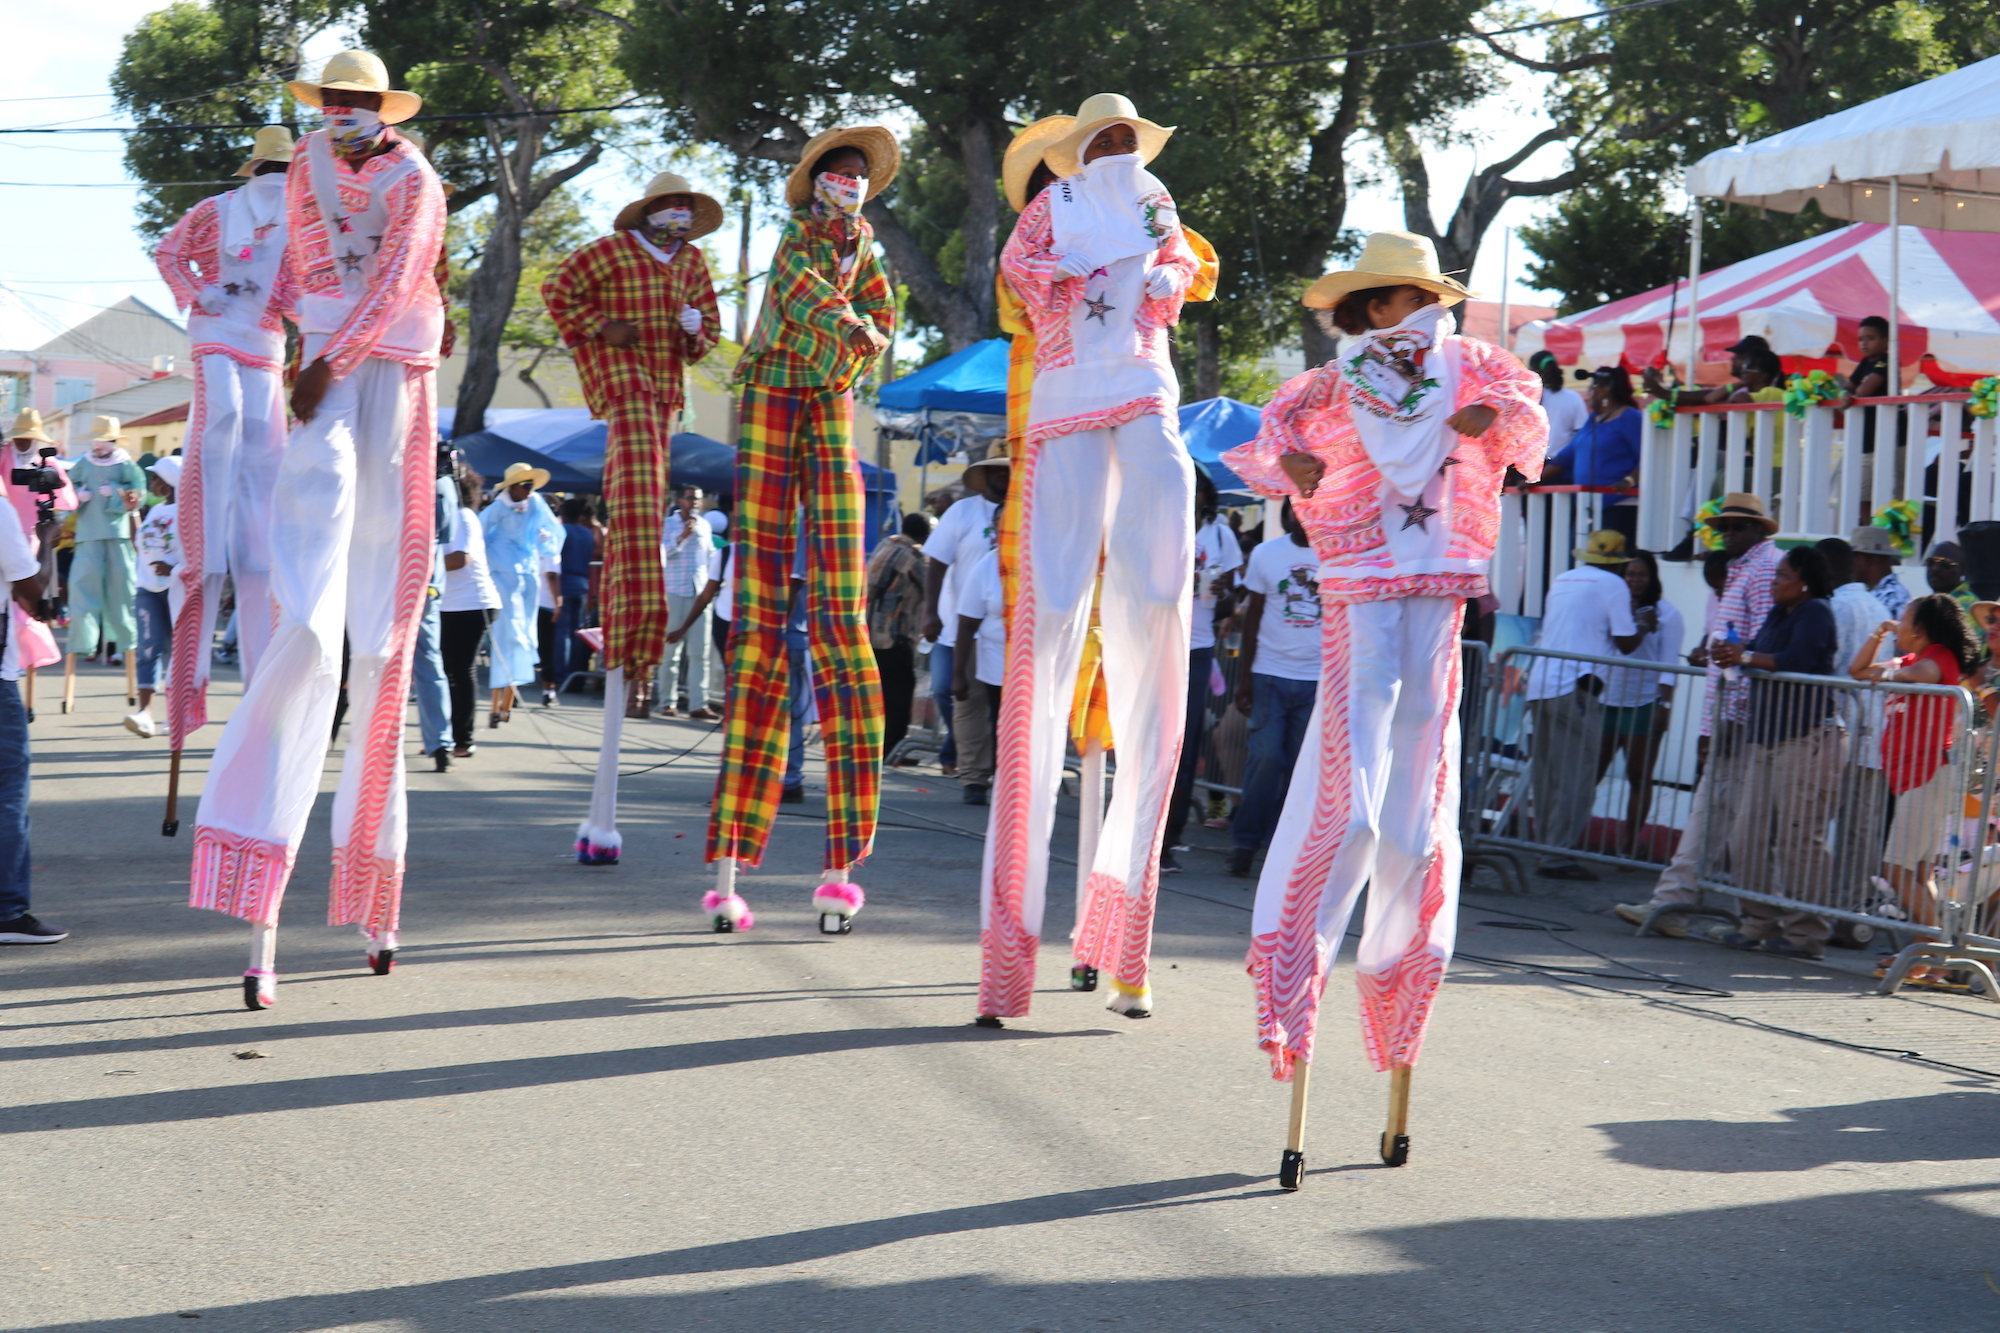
(617, 278)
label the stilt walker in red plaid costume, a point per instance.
(1101, 265)
(827, 315)
(351, 515)
(637, 308)
(1393, 455)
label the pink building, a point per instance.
(114, 349)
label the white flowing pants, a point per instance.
(1125, 493)
(1373, 802)
(352, 554)
(236, 441)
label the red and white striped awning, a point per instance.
(1804, 298)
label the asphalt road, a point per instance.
(572, 1108)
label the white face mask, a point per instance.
(843, 194)
(673, 223)
(352, 127)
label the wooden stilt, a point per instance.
(69, 683)
(131, 681)
(28, 696)
(1089, 828)
(1292, 1166)
(1396, 1138)
(172, 823)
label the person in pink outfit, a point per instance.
(1393, 455)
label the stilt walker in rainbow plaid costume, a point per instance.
(1393, 456)
(637, 308)
(827, 315)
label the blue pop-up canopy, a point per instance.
(972, 380)
(1214, 425)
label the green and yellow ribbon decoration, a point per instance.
(1903, 521)
(1810, 390)
(1985, 397)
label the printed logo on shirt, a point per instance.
(1298, 596)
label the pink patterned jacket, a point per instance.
(189, 258)
(1344, 517)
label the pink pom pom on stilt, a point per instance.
(840, 899)
(731, 908)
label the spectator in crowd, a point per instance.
(468, 606)
(1638, 704)
(20, 574)
(1745, 529)
(1743, 354)
(1588, 610)
(548, 604)
(152, 576)
(979, 657)
(520, 530)
(1605, 449)
(1794, 753)
(967, 531)
(1861, 816)
(1217, 556)
(1875, 561)
(687, 552)
(896, 620)
(1936, 648)
(579, 550)
(1565, 407)
(1277, 680)
(1761, 377)
(718, 527)
(1944, 571)
(427, 681)
(1871, 373)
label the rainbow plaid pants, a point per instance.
(794, 454)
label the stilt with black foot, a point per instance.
(837, 901)
(1396, 1138)
(260, 980)
(1082, 978)
(727, 912)
(1292, 1165)
(171, 825)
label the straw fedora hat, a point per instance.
(1065, 155)
(536, 477)
(1871, 540)
(1742, 504)
(1388, 259)
(106, 428)
(1026, 153)
(1604, 547)
(875, 143)
(28, 426)
(707, 212)
(360, 72)
(970, 479)
(272, 144)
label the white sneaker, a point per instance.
(141, 724)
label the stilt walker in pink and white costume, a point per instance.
(352, 517)
(224, 261)
(1393, 455)
(1100, 263)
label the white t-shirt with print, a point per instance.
(1585, 609)
(1288, 642)
(980, 598)
(157, 542)
(966, 532)
(470, 586)
(1216, 552)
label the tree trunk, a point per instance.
(1319, 344)
(1207, 359)
(489, 302)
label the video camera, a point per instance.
(45, 478)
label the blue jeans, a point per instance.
(798, 659)
(156, 634)
(1279, 711)
(428, 682)
(571, 652)
(13, 802)
(941, 655)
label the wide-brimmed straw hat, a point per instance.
(360, 72)
(1604, 547)
(991, 460)
(536, 477)
(873, 142)
(707, 212)
(1742, 504)
(1025, 154)
(1871, 540)
(1065, 155)
(104, 429)
(1985, 613)
(28, 426)
(1389, 259)
(272, 144)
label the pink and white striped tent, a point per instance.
(1804, 298)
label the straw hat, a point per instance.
(970, 478)
(1871, 540)
(707, 212)
(167, 469)
(1986, 613)
(1025, 154)
(106, 428)
(360, 72)
(1065, 155)
(536, 477)
(1604, 547)
(1388, 259)
(1742, 504)
(28, 426)
(875, 143)
(272, 144)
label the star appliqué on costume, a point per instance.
(1098, 308)
(250, 288)
(1414, 516)
(1451, 460)
(340, 224)
(350, 262)
(231, 288)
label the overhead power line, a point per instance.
(440, 115)
(1447, 41)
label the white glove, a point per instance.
(690, 319)
(209, 300)
(1162, 282)
(1072, 266)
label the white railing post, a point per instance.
(1735, 451)
(1951, 465)
(1538, 553)
(1847, 513)
(1763, 459)
(1815, 466)
(1882, 491)
(1657, 497)
(1983, 444)
(1706, 463)
(1510, 559)
(1687, 480)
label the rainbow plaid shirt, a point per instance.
(811, 308)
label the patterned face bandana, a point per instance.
(670, 224)
(1396, 384)
(352, 129)
(840, 194)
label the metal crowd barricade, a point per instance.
(1642, 780)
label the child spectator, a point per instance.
(159, 556)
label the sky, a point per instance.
(68, 246)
